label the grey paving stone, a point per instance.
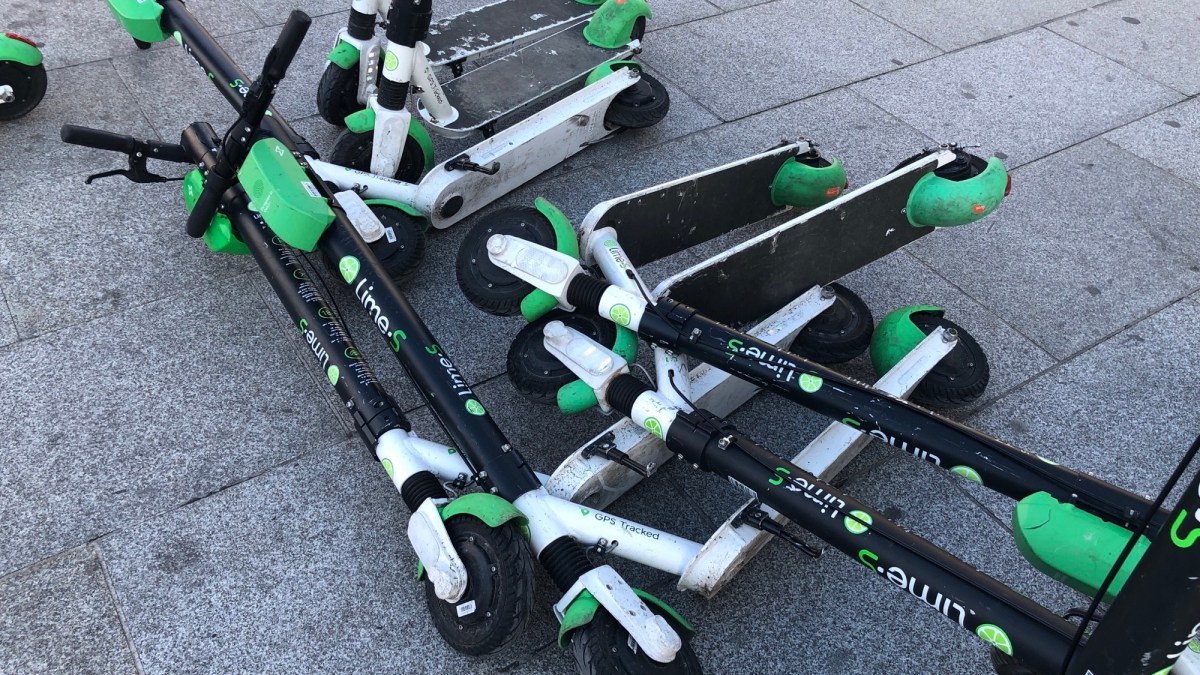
(305, 568)
(952, 25)
(1157, 39)
(757, 66)
(275, 13)
(59, 617)
(1169, 138)
(88, 31)
(1124, 410)
(168, 402)
(88, 250)
(673, 12)
(1026, 95)
(172, 91)
(1066, 267)
(8, 329)
(89, 95)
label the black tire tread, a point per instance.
(814, 345)
(1004, 664)
(937, 390)
(353, 151)
(543, 389)
(620, 114)
(337, 94)
(515, 562)
(591, 647)
(401, 264)
(37, 89)
(474, 246)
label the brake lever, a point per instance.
(137, 172)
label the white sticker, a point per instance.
(391, 235)
(466, 608)
(310, 189)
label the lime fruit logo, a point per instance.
(610, 242)
(450, 451)
(620, 314)
(810, 383)
(995, 636)
(390, 62)
(860, 525)
(387, 466)
(333, 373)
(584, 511)
(474, 407)
(653, 426)
(349, 267)
(968, 473)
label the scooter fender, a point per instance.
(364, 120)
(583, 608)
(12, 49)
(344, 55)
(439, 559)
(804, 186)
(897, 335)
(142, 19)
(535, 305)
(941, 202)
(612, 24)
(493, 511)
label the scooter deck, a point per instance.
(755, 278)
(525, 77)
(484, 29)
(668, 218)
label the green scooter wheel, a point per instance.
(534, 371)
(840, 333)
(603, 646)
(28, 88)
(486, 286)
(499, 596)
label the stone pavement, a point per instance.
(180, 493)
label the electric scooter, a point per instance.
(22, 76)
(1093, 536)
(259, 198)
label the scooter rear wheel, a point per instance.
(402, 257)
(642, 105)
(603, 646)
(840, 333)
(499, 593)
(29, 87)
(534, 371)
(1004, 664)
(959, 378)
(337, 94)
(486, 286)
(353, 151)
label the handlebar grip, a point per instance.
(96, 138)
(287, 45)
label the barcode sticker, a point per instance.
(310, 189)
(391, 234)
(466, 608)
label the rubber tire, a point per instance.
(601, 648)
(337, 94)
(643, 105)
(840, 333)
(29, 88)
(959, 378)
(501, 557)
(475, 271)
(403, 257)
(1004, 664)
(534, 371)
(353, 151)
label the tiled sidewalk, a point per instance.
(180, 492)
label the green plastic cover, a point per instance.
(612, 24)
(941, 202)
(803, 186)
(140, 18)
(20, 52)
(284, 195)
(897, 335)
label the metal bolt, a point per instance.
(949, 335)
(724, 442)
(827, 292)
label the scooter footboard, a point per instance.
(755, 278)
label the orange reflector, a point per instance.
(833, 191)
(22, 38)
(980, 208)
(1008, 185)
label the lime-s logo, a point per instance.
(474, 407)
(780, 473)
(1190, 538)
(349, 267)
(390, 62)
(620, 315)
(654, 426)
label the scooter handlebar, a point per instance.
(286, 46)
(107, 140)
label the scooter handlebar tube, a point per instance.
(107, 140)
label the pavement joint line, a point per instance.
(886, 20)
(1148, 160)
(961, 489)
(11, 317)
(121, 622)
(1126, 66)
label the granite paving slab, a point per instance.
(89, 95)
(168, 402)
(952, 25)
(305, 568)
(759, 66)
(58, 27)
(1157, 39)
(1026, 95)
(1170, 138)
(8, 329)
(1065, 267)
(89, 250)
(58, 616)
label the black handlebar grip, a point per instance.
(95, 138)
(286, 46)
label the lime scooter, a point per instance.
(1097, 538)
(456, 188)
(22, 76)
(475, 551)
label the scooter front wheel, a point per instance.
(28, 88)
(959, 378)
(499, 593)
(353, 151)
(337, 94)
(603, 646)
(840, 333)
(534, 371)
(486, 286)
(642, 105)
